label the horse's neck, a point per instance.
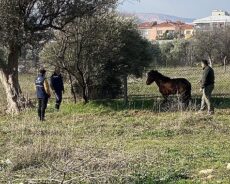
(160, 82)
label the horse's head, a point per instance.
(151, 77)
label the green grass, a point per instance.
(105, 142)
(137, 87)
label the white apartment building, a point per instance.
(218, 19)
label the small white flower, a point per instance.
(8, 162)
(206, 171)
(228, 166)
(158, 99)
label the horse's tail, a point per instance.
(189, 91)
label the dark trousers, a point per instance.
(42, 105)
(58, 96)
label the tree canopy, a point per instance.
(30, 21)
(97, 51)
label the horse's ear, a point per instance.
(153, 71)
(149, 72)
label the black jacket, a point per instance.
(56, 82)
(208, 77)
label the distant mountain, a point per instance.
(151, 17)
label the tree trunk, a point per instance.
(9, 79)
(72, 88)
(11, 91)
(225, 67)
(84, 94)
(125, 80)
(84, 84)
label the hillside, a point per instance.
(151, 17)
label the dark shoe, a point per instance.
(42, 119)
(57, 106)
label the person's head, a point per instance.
(57, 70)
(204, 63)
(42, 71)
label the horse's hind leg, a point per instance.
(165, 99)
(165, 102)
(185, 99)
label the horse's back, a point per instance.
(182, 81)
(182, 85)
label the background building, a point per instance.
(147, 31)
(218, 19)
(166, 30)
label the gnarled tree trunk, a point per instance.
(125, 80)
(225, 64)
(9, 79)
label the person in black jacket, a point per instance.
(57, 85)
(207, 86)
(43, 93)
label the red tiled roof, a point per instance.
(165, 24)
(147, 25)
(187, 26)
(170, 24)
(175, 24)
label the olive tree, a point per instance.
(206, 45)
(97, 52)
(84, 48)
(24, 21)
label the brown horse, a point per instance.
(168, 86)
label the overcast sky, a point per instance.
(181, 8)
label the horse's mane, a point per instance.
(163, 77)
(160, 76)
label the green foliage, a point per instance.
(168, 35)
(165, 52)
(175, 53)
(136, 53)
(97, 52)
(2, 57)
(28, 21)
(206, 44)
(212, 45)
(31, 22)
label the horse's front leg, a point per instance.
(165, 97)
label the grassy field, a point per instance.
(102, 142)
(106, 142)
(137, 87)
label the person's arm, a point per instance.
(204, 78)
(47, 88)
